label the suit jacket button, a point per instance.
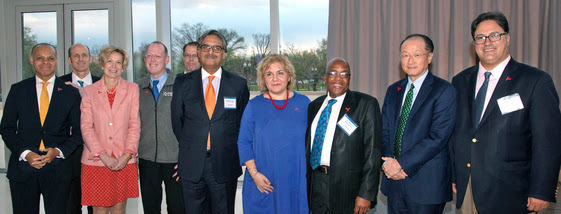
(468, 165)
(474, 140)
(110, 124)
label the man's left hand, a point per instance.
(52, 153)
(393, 169)
(536, 205)
(361, 205)
(80, 89)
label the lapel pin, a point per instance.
(347, 108)
(147, 92)
(398, 88)
(59, 89)
(99, 92)
(508, 78)
(296, 109)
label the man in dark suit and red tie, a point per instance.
(418, 116)
(343, 146)
(41, 127)
(206, 111)
(506, 144)
(79, 58)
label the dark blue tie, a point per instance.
(155, 89)
(320, 134)
(81, 83)
(480, 99)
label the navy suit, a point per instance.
(513, 156)
(424, 153)
(74, 201)
(191, 126)
(21, 130)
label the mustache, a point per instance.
(211, 56)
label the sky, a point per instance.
(302, 22)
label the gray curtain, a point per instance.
(368, 32)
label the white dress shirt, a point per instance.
(87, 79)
(493, 80)
(331, 126)
(215, 82)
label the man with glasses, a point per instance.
(505, 145)
(343, 146)
(418, 116)
(158, 147)
(206, 111)
(190, 58)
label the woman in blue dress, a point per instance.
(272, 142)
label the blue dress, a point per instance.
(275, 139)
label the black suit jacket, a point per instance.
(424, 152)
(355, 159)
(77, 154)
(21, 128)
(191, 126)
(513, 156)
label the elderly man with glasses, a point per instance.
(206, 112)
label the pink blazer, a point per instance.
(109, 130)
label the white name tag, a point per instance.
(168, 94)
(229, 103)
(510, 103)
(348, 125)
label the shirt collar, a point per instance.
(217, 74)
(162, 79)
(39, 81)
(495, 72)
(88, 77)
(339, 98)
(419, 82)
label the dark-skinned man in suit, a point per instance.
(343, 146)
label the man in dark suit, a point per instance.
(418, 117)
(505, 145)
(206, 111)
(343, 146)
(41, 127)
(79, 57)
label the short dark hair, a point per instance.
(429, 46)
(88, 48)
(196, 44)
(216, 33)
(496, 16)
(43, 44)
(160, 43)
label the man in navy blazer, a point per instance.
(208, 161)
(79, 57)
(416, 132)
(506, 159)
(33, 172)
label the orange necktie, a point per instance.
(210, 103)
(43, 108)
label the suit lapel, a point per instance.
(219, 107)
(102, 98)
(426, 88)
(56, 97)
(501, 89)
(348, 107)
(472, 81)
(33, 100)
(197, 83)
(400, 93)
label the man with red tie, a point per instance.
(41, 127)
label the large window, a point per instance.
(38, 27)
(247, 26)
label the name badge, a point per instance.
(510, 103)
(168, 94)
(347, 124)
(229, 103)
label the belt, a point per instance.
(323, 169)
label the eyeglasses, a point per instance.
(406, 56)
(493, 37)
(333, 74)
(215, 48)
(156, 57)
(190, 56)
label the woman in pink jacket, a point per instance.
(111, 128)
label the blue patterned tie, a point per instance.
(155, 89)
(81, 83)
(480, 100)
(405, 109)
(320, 134)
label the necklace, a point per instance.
(285, 102)
(112, 90)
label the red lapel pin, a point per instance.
(347, 109)
(398, 88)
(147, 92)
(99, 92)
(508, 78)
(296, 109)
(59, 89)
